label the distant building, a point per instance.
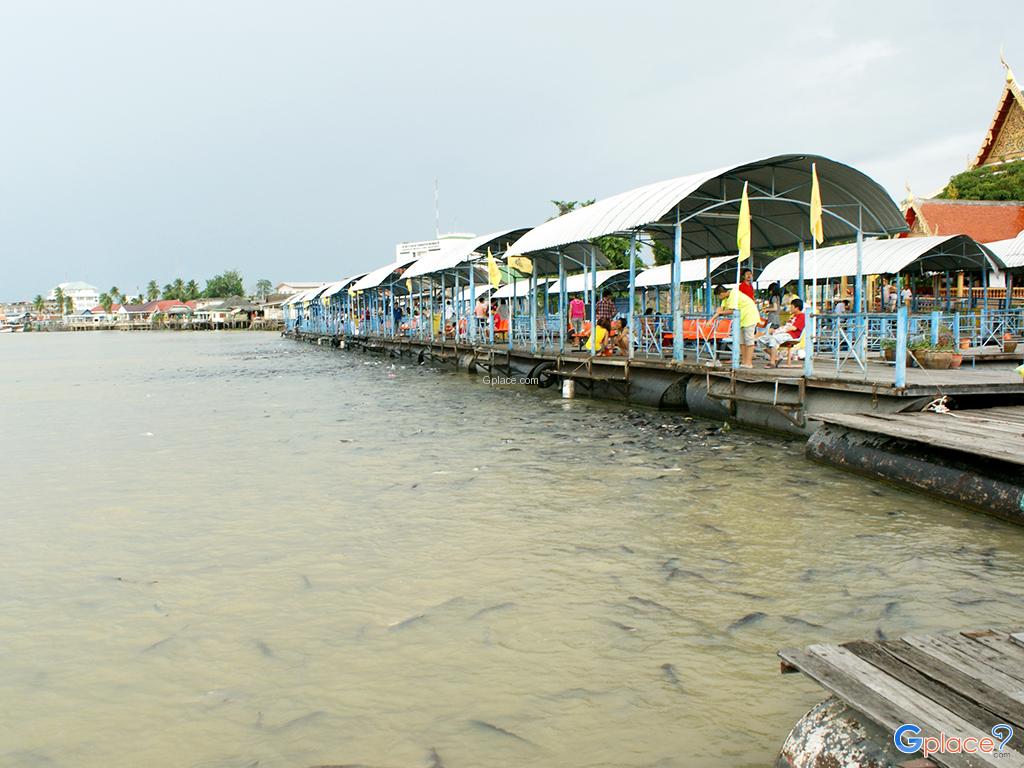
(83, 295)
(289, 289)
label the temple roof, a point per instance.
(983, 220)
(1005, 137)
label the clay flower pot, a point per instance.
(965, 342)
(1009, 345)
(955, 360)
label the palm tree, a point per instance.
(58, 297)
(39, 303)
(115, 294)
(179, 288)
(69, 305)
(192, 290)
(106, 302)
(152, 291)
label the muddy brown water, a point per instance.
(227, 550)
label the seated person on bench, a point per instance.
(620, 337)
(788, 334)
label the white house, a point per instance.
(289, 289)
(83, 295)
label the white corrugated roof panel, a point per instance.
(882, 257)
(379, 275)
(522, 288)
(691, 271)
(454, 253)
(1010, 251)
(779, 199)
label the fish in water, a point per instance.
(434, 759)
(491, 727)
(801, 623)
(264, 649)
(879, 634)
(669, 672)
(677, 572)
(623, 627)
(751, 618)
(492, 609)
(405, 623)
(305, 580)
(294, 722)
(646, 603)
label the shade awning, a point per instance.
(455, 253)
(883, 257)
(306, 295)
(336, 288)
(1010, 252)
(707, 206)
(521, 288)
(691, 271)
(376, 277)
(605, 277)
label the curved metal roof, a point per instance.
(522, 288)
(582, 282)
(341, 285)
(379, 275)
(691, 271)
(1010, 251)
(455, 253)
(708, 206)
(883, 257)
(304, 295)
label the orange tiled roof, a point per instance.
(984, 220)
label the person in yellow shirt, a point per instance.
(599, 337)
(750, 318)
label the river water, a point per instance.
(228, 550)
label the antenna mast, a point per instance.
(437, 210)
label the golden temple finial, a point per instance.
(1009, 72)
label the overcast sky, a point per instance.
(299, 140)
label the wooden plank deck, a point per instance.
(989, 432)
(960, 684)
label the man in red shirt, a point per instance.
(790, 332)
(747, 284)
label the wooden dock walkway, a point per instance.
(986, 432)
(959, 684)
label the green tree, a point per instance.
(179, 289)
(567, 206)
(662, 253)
(224, 285)
(152, 291)
(69, 305)
(168, 291)
(1004, 181)
(192, 291)
(106, 302)
(58, 297)
(39, 303)
(115, 294)
(263, 288)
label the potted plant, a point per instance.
(955, 359)
(888, 349)
(1009, 343)
(965, 342)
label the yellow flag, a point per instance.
(743, 228)
(521, 263)
(408, 284)
(816, 227)
(492, 270)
